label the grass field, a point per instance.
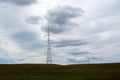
(58, 72)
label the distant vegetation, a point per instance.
(58, 72)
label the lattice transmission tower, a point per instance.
(49, 56)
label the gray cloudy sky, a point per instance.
(79, 29)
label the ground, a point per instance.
(59, 72)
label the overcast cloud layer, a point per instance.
(80, 30)
(19, 2)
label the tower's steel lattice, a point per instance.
(49, 56)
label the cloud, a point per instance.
(93, 57)
(78, 53)
(27, 40)
(34, 19)
(76, 61)
(19, 2)
(66, 43)
(59, 18)
(98, 27)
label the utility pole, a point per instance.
(49, 56)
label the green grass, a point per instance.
(58, 72)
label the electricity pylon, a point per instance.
(49, 56)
